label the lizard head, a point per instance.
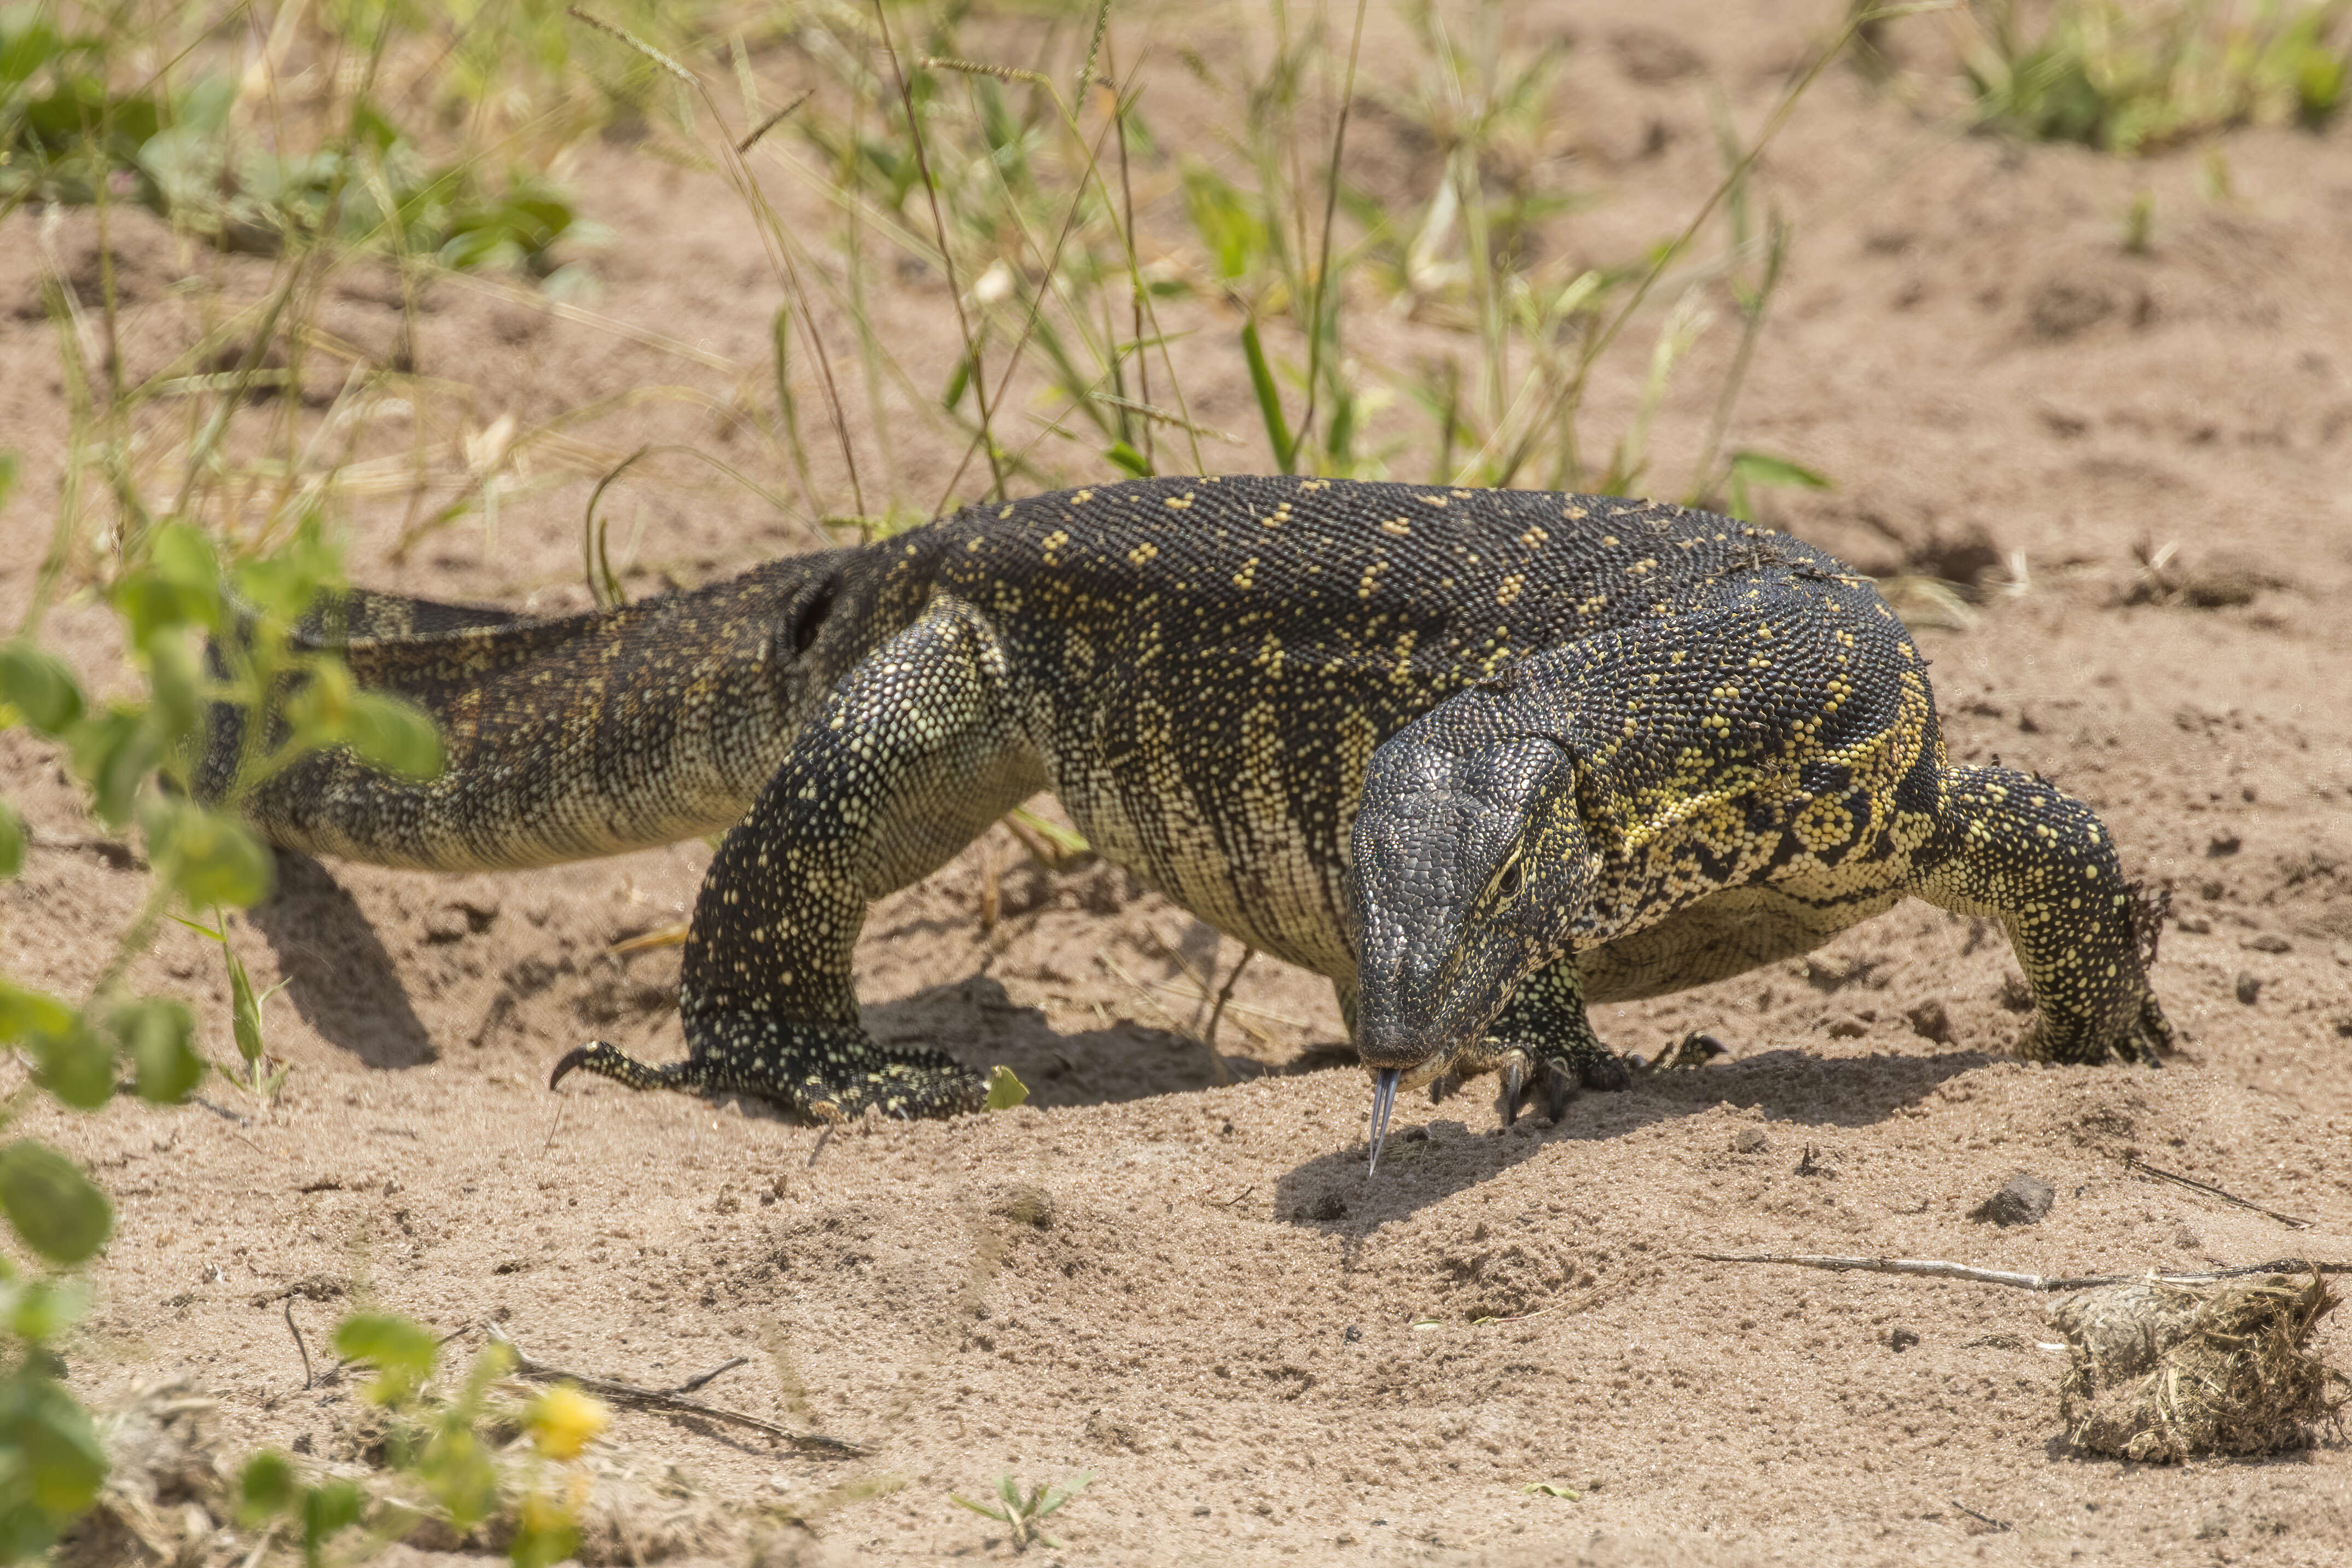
(1469, 869)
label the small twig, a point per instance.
(1237, 1196)
(296, 1329)
(120, 857)
(823, 1138)
(1045, 854)
(1518, 1317)
(2133, 1163)
(663, 1399)
(1209, 1034)
(770, 123)
(1203, 992)
(1981, 1518)
(1240, 1010)
(724, 1367)
(1144, 992)
(645, 941)
(1934, 1268)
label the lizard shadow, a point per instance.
(340, 979)
(1123, 1060)
(1427, 1161)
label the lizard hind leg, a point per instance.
(607, 1060)
(915, 752)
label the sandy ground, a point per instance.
(1170, 1270)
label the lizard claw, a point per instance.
(1560, 1084)
(1516, 1087)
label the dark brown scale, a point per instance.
(1724, 749)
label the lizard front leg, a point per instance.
(1542, 1039)
(914, 754)
(2015, 848)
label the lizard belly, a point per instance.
(1726, 933)
(1213, 829)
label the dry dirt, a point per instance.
(1186, 1285)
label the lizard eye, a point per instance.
(1507, 884)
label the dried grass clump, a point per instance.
(165, 1497)
(2159, 1372)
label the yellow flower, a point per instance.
(563, 1421)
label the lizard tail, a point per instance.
(563, 738)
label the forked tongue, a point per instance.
(1384, 1090)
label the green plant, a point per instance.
(168, 592)
(2133, 76)
(179, 145)
(441, 1457)
(1024, 1513)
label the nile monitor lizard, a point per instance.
(1479, 756)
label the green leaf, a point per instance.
(1235, 239)
(327, 1509)
(980, 1509)
(1004, 1090)
(543, 1536)
(1545, 1489)
(320, 711)
(178, 584)
(37, 685)
(245, 1008)
(175, 685)
(182, 557)
(75, 1064)
(286, 583)
(155, 1034)
(2319, 84)
(208, 857)
(1065, 841)
(52, 1204)
(28, 42)
(1127, 457)
(1055, 1498)
(30, 1015)
(114, 752)
(12, 841)
(39, 1311)
(1269, 398)
(57, 1464)
(1763, 468)
(403, 1351)
(394, 734)
(457, 1471)
(267, 1487)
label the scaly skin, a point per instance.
(1601, 749)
